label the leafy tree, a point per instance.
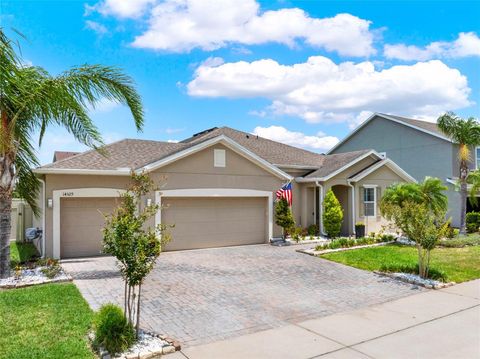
(135, 246)
(30, 101)
(284, 217)
(465, 132)
(473, 179)
(418, 210)
(332, 215)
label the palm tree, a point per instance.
(31, 100)
(429, 193)
(465, 132)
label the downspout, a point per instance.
(320, 207)
(353, 205)
(43, 218)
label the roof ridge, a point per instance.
(270, 140)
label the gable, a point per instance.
(202, 163)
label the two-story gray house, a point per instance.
(419, 147)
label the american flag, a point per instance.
(286, 192)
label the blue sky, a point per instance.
(301, 72)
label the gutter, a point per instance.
(73, 171)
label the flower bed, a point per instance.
(28, 277)
(148, 345)
(36, 272)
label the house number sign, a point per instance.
(68, 194)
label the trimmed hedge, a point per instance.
(473, 222)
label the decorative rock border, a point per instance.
(313, 252)
(415, 279)
(150, 345)
(31, 277)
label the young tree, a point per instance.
(283, 216)
(465, 132)
(30, 101)
(135, 246)
(418, 210)
(332, 215)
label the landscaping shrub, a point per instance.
(312, 230)
(332, 215)
(473, 222)
(112, 330)
(472, 240)
(298, 233)
(284, 217)
(432, 273)
(387, 237)
(52, 268)
(344, 242)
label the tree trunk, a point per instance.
(137, 325)
(463, 196)
(7, 176)
(421, 262)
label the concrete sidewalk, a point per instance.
(434, 324)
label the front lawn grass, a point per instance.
(22, 252)
(46, 321)
(458, 264)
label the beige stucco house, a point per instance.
(218, 188)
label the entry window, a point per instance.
(218, 158)
(369, 201)
(477, 157)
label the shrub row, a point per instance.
(473, 222)
(344, 242)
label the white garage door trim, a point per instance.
(75, 193)
(216, 192)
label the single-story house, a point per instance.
(219, 188)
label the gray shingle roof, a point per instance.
(128, 153)
(428, 126)
(134, 154)
(334, 162)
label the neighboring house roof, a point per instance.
(61, 155)
(121, 157)
(385, 162)
(430, 128)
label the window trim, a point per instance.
(374, 187)
(219, 158)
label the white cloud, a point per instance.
(96, 27)
(467, 44)
(120, 8)
(321, 91)
(173, 141)
(183, 25)
(278, 133)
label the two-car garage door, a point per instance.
(200, 222)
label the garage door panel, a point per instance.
(81, 222)
(215, 222)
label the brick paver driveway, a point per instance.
(207, 295)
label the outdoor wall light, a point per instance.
(149, 202)
(49, 203)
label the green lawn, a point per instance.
(46, 321)
(458, 264)
(22, 252)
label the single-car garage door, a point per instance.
(81, 223)
(215, 222)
